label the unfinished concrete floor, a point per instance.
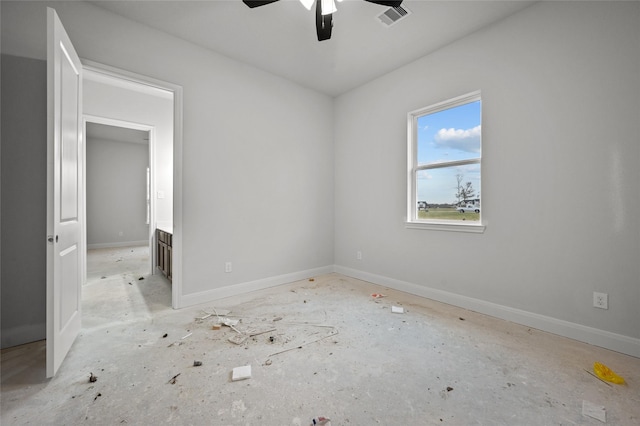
(319, 348)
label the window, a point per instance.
(444, 164)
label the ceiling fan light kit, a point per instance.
(324, 12)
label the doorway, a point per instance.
(121, 99)
(118, 201)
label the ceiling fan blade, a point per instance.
(390, 3)
(256, 3)
(324, 23)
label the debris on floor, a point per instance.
(597, 412)
(608, 384)
(449, 388)
(215, 312)
(216, 326)
(239, 338)
(378, 295)
(141, 278)
(92, 378)
(172, 381)
(97, 396)
(312, 279)
(241, 373)
(228, 321)
(184, 337)
(605, 373)
(461, 319)
(334, 331)
(197, 363)
(277, 319)
(397, 310)
(320, 421)
(164, 336)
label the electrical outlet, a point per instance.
(228, 267)
(359, 255)
(600, 300)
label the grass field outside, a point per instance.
(447, 214)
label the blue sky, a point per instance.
(449, 135)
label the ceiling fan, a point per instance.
(324, 12)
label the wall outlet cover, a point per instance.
(600, 300)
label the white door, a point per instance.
(64, 189)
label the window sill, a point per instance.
(446, 226)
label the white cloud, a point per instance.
(463, 140)
(424, 174)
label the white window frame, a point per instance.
(412, 168)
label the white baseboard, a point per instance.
(115, 245)
(23, 334)
(187, 300)
(605, 339)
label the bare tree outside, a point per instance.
(464, 192)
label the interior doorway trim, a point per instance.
(87, 118)
(177, 252)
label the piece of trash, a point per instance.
(397, 310)
(378, 295)
(173, 379)
(241, 373)
(598, 412)
(238, 339)
(97, 396)
(605, 373)
(184, 337)
(461, 319)
(272, 339)
(175, 344)
(216, 327)
(141, 278)
(92, 378)
(228, 321)
(197, 363)
(130, 283)
(277, 319)
(449, 388)
(164, 336)
(312, 279)
(102, 278)
(216, 312)
(590, 373)
(322, 421)
(268, 362)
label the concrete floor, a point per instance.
(319, 348)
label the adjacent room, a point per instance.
(374, 214)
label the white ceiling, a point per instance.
(281, 37)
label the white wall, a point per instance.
(23, 271)
(116, 193)
(257, 168)
(560, 189)
(102, 99)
